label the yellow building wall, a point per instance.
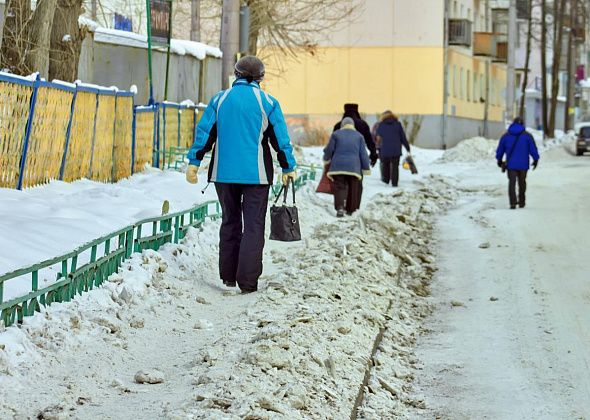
(406, 80)
(463, 97)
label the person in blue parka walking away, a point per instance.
(390, 137)
(348, 159)
(517, 145)
(239, 124)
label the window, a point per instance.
(455, 9)
(492, 90)
(468, 86)
(475, 90)
(462, 85)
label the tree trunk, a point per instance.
(37, 58)
(253, 42)
(527, 61)
(195, 20)
(544, 104)
(66, 41)
(14, 36)
(571, 57)
(559, 12)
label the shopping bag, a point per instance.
(284, 220)
(410, 165)
(326, 185)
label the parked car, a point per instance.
(583, 139)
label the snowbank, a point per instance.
(178, 46)
(307, 342)
(478, 149)
(471, 150)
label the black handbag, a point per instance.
(284, 220)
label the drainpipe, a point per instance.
(445, 77)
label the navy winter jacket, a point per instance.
(517, 156)
(363, 128)
(241, 122)
(347, 153)
(392, 136)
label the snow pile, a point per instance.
(471, 150)
(306, 344)
(89, 342)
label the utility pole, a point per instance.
(445, 77)
(569, 120)
(195, 20)
(230, 39)
(510, 75)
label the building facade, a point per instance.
(401, 55)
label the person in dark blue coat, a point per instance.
(518, 146)
(390, 139)
(348, 159)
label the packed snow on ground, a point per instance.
(298, 348)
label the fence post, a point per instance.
(28, 129)
(179, 119)
(93, 137)
(114, 152)
(156, 136)
(133, 134)
(68, 133)
(194, 126)
(164, 136)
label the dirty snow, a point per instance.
(417, 300)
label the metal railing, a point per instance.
(460, 32)
(89, 265)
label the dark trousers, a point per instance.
(513, 177)
(347, 193)
(241, 237)
(390, 170)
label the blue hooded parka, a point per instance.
(517, 153)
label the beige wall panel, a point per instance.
(392, 23)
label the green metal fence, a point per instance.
(89, 265)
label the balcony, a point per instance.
(484, 44)
(460, 32)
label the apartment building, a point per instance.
(401, 55)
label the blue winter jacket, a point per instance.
(347, 153)
(241, 122)
(392, 137)
(517, 156)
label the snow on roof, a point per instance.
(117, 37)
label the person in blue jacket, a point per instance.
(240, 124)
(517, 145)
(349, 161)
(391, 137)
